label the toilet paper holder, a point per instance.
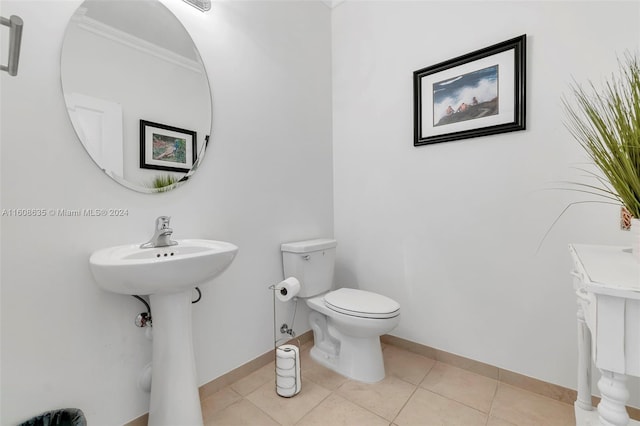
(286, 289)
(282, 291)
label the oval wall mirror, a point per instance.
(136, 92)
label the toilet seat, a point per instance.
(360, 303)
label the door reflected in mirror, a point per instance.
(136, 92)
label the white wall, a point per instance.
(267, 178)
(450, 230)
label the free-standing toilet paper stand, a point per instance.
(287, 363)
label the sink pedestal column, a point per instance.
(174, 388)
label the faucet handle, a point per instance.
(162, 222)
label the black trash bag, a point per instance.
(65, 417)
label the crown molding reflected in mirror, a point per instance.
(127, 63)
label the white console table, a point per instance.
(607, 285)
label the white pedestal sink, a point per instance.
(167, 275)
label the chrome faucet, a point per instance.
(162, 235)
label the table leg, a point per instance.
(614, 393)
(583, 400)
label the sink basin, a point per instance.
(129, 269)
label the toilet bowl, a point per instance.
(347, 323)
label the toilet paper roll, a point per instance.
(287, 289)
(285, 363)
(286, 356)
(286, 386)
(287, 370)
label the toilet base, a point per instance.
(357, 358)
(361, 365)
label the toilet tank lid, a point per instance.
(309, 246)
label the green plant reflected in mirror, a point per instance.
(138, 98)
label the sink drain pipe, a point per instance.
(144, 319)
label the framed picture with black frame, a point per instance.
(164, 147)
(478, 94)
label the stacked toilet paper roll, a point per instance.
(288, 370)
(287, 289)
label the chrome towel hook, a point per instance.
(15, 38)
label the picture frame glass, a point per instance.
(168, 148)
(447, 95)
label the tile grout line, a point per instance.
(456, 401)
(372, 412)
(414, 390)
(435, 392)
(493, 398)
(264, 412)
(405, 403)
(315, 406)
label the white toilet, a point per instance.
(346, 323)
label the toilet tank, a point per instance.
(312, 263)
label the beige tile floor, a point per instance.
(417, 391)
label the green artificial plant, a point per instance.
(606, 123)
